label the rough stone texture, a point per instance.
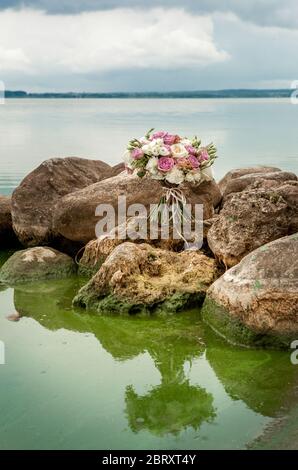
(250, 219)
(34, 200)
(7, 235)
(36, 264)
(142, 279)
(256, 302)
(96, 251)
(243, 182)
(116, 169)
(74, 216)
(237, 173)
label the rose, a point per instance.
(203, 155)
(158, 135)
(165, 164)
(137, 153)
(193, 162)
(191, 149)
(179, 151)
(170, 139)
(184, 164)
(175, 176)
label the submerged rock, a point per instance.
(35, 264)
(256, 302)
(252, 218)
(34, 200)
(7, 235)
(74, 216)
(142, 279)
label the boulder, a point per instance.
(36, 264)
(116, 169)
(142, 279)
(270, 179)
(74, 215)
(233, 175)
(34, 200)
(250, 219)
(256, 302)
(7, 235)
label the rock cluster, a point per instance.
(250, 230)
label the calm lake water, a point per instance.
(246, 131)
(78, 381)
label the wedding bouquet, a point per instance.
(170, 158)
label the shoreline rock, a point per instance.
(74, 215)
(7, 236)
(142, 279)
(34, 200)
(255, 303)
(36, 264)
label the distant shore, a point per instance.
(231, 93)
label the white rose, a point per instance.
(152, 165)
(164, 151)
(175, 176)
(147, 149)
(193, 177)
(178, 151)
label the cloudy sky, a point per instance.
(130, 45)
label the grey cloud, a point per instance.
(261, 12)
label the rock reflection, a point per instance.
(172, 342)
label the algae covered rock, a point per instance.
(142, 279)
(252, 218)
(34, 264)
(256, 302)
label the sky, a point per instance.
(156, 45)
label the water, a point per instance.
(78, 381)
(246, 131)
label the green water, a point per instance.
(78, 381)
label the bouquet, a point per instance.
(170, 158)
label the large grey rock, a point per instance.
(36, 264)
(239, 172)
(34, 200)
(74, 215)
(256, 302)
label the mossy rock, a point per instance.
(234, 331)
(36, 264)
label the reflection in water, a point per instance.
(260, 379)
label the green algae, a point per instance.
(235, 332)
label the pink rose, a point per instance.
(158, 135)
(137, 154)
(165, 163)
(191, 149)
(193, 161)
(170, 139)
(203, 155)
